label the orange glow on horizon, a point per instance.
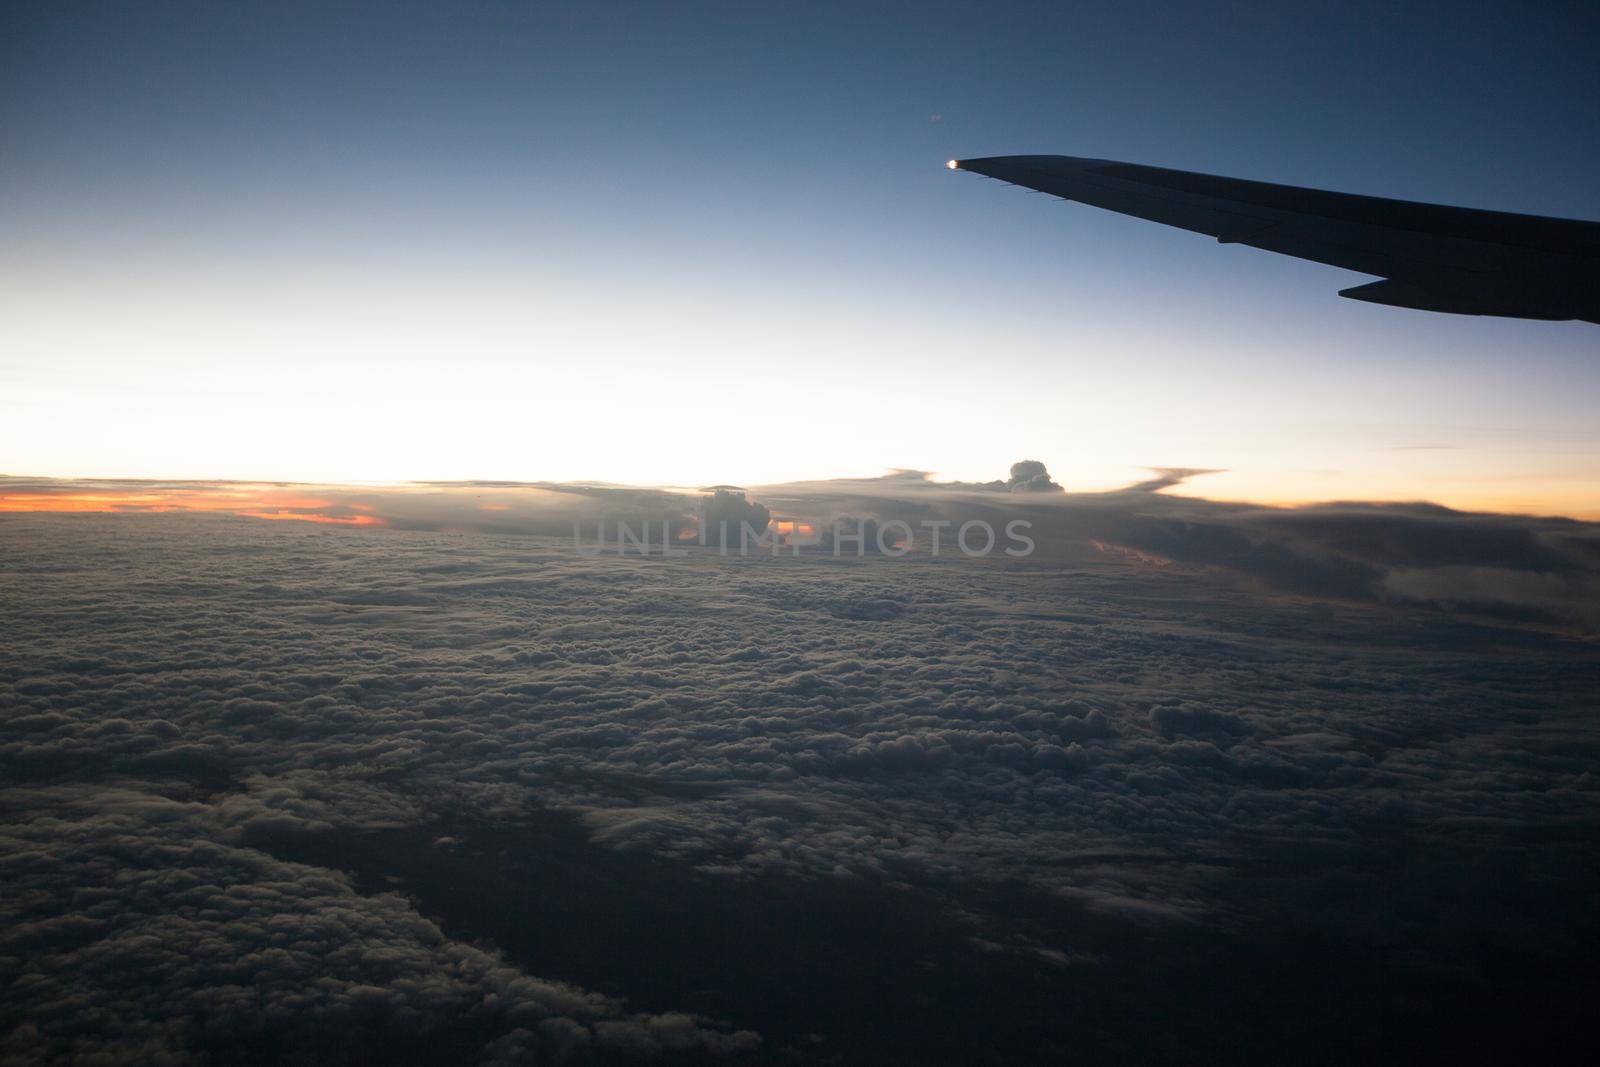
(380, 505)
(340, 520)
(242, 501)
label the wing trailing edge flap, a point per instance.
(1403, 294)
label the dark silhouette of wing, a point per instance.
(1427, 256)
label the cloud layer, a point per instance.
(1177, 724)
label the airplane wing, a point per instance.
(1426, 256)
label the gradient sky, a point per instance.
(708, 243)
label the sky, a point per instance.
(717, 243)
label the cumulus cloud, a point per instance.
(1030, 476)
(727, 515)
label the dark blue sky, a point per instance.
(714, 186)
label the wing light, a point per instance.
(953, 165)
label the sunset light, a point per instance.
(246, 501)
(547, 533)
